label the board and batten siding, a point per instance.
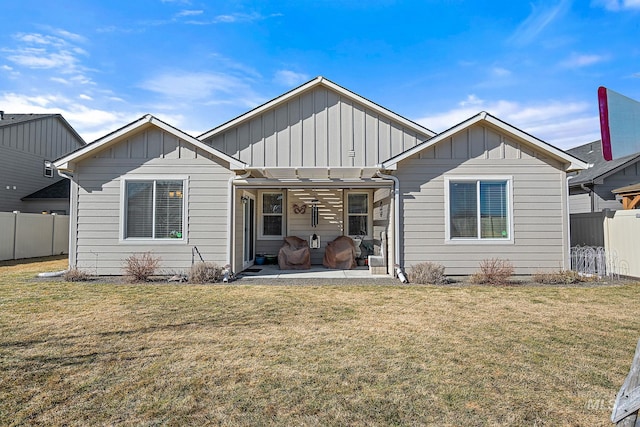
(96, 230)
(24, 147)
(540, 229)
(318, 128)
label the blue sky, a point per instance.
(197, 64)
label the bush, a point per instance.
(205, 272)
(75, 275)
(560, 277)
(493, 271)
(139, 267)
(427, 273)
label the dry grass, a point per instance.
(104, 354)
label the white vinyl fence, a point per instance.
(622, 240)
(25, 235)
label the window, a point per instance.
(479, 209)
(153, 209)
(272, 217)
(48, 169)
(358, 214)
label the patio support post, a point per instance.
(396, 222)
(230, 216)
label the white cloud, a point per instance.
(564, 124)
(69, 35)
(201, 86)
(36, 51)
(90, 123)
(582, 60)
(60, 80)
(537, 21)
(85, 97)
(235, 18)
(500, 72)
(189, 13)
(290, 78)
(10, 71)
(618, 5)
(40, 58)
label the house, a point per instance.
(481, 189)
(591, 190)
(28, 145)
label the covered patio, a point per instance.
(317, 205)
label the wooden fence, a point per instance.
(26, 235)
(625, 409)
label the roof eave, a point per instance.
(570, 162)
(67, 163)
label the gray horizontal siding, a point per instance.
(539, 210)
(318, 128)
(97, 227)
(580, 203)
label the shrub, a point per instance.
(493, 271)
(427, 273)
(205, 272)
(75, 275)
(140, 267)
(560, 277)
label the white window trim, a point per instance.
(369, 213)
(478, 240)
(123, 204)
(48, 171)
(261, 235)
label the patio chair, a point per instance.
(340, 254)
(294, 254)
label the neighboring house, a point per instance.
(28, 145)
(479, 190)
(590, 190)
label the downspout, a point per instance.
(396, 225)
(73, 216)
(230, 205)
(568, 219)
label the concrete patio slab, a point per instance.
(315, 272)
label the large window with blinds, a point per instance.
(479, 209)
(153, 209)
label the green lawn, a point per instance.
(145, 354)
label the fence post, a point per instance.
(53, 233)
(15, 232)
(625, 409)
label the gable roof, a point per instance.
(573, 163)
(57, 190)
(318, 81)
(599, 168)
(66, 163)
(10, 119)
